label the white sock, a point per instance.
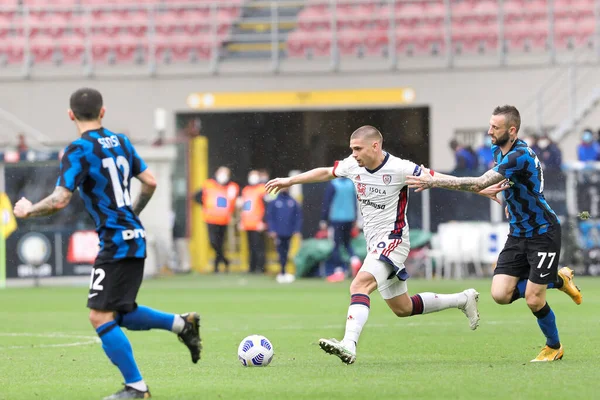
(178, 324)
(358, 314)
(140, 385)
(433, 302)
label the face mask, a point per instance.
(587, 137)
(222, 178)
(543, 143)
(253, 179)
(263, 179)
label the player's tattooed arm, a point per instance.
(467, 184)
(142, 200)
(148, 187)
(58, 200)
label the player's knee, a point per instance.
(501, 298)
(99, 318)
(501, 295)
(535, 302)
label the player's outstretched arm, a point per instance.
(58, 200)
(466, 184)
(322, 174)
(148, 187)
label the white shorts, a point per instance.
(385, 261)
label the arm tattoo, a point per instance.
(142, 200)
(58, 200)
(468, 184)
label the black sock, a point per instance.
(559, 283)
(516, 295)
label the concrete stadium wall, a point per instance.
(457, 99)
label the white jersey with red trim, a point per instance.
(383, 197)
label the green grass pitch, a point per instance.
(48, 349)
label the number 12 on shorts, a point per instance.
(99, 275)
(543, 256)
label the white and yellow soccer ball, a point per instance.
(255, 351)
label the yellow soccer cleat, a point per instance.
(549, 354)
(566, 274)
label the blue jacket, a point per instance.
(339, 204)
(284, 215)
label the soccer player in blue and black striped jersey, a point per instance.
(528, 264)
(101, 165)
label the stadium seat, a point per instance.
(377, 42)
(350, 42)
(182, 47)
(42, 49)
(297, 43)
(12, 50)
(72, 50)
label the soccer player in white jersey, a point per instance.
(379, 178)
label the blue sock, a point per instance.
(118, 349)
(519, 292)
(145, 318)
(521, 286)
(547, 322)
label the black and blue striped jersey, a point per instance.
(101, 164)
(529, 212)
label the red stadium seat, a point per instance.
(13, 49)
(42, 49)
(297, 43)
(377, 42)
(72, 50)
(349, 42)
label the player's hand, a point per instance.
(491, 191)
(421, 182)
(273, 235)
(506, 212)
(274, 185)
(22, 208)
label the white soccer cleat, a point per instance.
(337, 348)
(470, 307)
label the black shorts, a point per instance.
(535, 258)
(114, 284)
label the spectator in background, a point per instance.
(534, 145)
(217, 198)
(22, 144)
(549, 154)
(465, 157)
(588, 149)
(252, 221)
(485, 157)
(339, 212)
(284, 220)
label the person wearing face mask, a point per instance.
(485, 156)
(550, 155)
(217, 198)
(252, 215)
(588, 149)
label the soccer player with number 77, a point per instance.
(528, 264)
(101, 164)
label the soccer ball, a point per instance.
(255, 351)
